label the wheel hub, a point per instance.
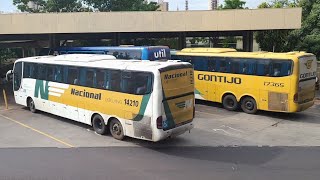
(116, 129)
(249, 105)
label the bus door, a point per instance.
(17, 79)
(70, 103)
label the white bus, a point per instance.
(140, 99)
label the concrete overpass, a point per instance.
(52, 28)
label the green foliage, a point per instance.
(85, 5)
(305, 39)
(51, 6)
(122, 5)
(6, 54)
(308, 37)
(232, 4)
(273, 40)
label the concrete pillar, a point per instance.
(247, 39)
(182, 40)
(116, 41)
(214, 41)
(24, 52)
(53, 41)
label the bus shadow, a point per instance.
(61, 119)
(209, 103)
(306, 116)
(250, 155)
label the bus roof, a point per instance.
(229, 52)
(100, 61)
(104, 48)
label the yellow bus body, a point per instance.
(279, 94)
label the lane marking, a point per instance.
(38, 131)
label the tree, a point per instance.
(43, 6)
(233, 4)
(122, 5)
(275, 40)
(5, 54)
(308, 37)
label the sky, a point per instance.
(7, 6)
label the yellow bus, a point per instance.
(140, 99)
(280, 82)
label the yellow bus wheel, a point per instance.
(249, 105)
(230, 102)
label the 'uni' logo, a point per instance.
(308, 64)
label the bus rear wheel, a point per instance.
(230, 102)
(249, 105)
(98, 125)
(31, 105)
(116, 129)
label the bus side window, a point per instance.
(58, 74)
(211, 65)
(42, 72)
(87, 77)
(263, 67)
(286, 68)
(143, 83)
(26, 70)
(281, 68)
(50, 73)
(100, 79)
(127, 82)
(73, 75)
(221, 65)
(115, 80)
(252, 63)
(34, 69)
(200, 63)
(235, 66)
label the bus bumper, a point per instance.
(304, 106)
(175, 132)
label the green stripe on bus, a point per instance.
(44, 90)
(143, 107)
(197, 92)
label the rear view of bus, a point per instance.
(305, 93)
(177, 97)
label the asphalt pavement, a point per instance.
(179, 163)
(223, 145)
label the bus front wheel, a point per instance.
(116, 129)
(249, 105)
(98, 125)
(230, 102)
(31, 105)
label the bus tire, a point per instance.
(230, 102)
(249, 105)
(116, 129)
(31, 105)
(98, 125)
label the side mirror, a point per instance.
(9, 75)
